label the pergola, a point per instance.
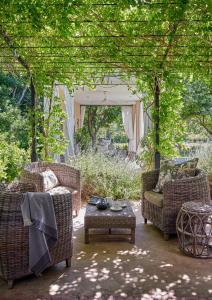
(81, 42)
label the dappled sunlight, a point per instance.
(159, 294)
(134, 252)
(166, 265)
(150, 269)
(123, 270)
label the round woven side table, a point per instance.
(194, 229)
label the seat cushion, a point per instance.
(62, 190)
(154, 197)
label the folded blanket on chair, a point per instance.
(38, 213)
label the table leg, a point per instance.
(132, 241)
(86, 235)
(109, 230)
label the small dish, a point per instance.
(116, 208)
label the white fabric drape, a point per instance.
(127, 116)
(142, 125)
(69, 122)
(82, 115)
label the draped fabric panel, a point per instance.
(61, 91)
(82, 115)
(142, 123)
(69, 123)
(127, 116)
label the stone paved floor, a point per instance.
(150, 269)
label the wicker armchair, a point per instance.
(162, 209)
(14, 237)
(69, 179)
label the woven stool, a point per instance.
(194, 229)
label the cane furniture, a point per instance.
(194, 229)
(109, 220)
(162, 209)
(14, 237)
(68, 177)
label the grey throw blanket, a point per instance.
(38, 213)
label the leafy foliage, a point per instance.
(107, 176)
(97, 117)
(14, 126)
(83, 138)
(85, 42)
(198, 104)
(204, 154)
(12, 159)
(145, 157)
(13, 110)
(52, 139)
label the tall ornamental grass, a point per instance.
(107, 176)
(204, 153)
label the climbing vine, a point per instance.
(81, 42)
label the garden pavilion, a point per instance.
(111, 91)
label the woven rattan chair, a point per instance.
(69, 179)
(162, 209)
(14, 239)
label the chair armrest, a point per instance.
(149, 181)
(67, 175)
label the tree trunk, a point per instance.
(157, 121)
(34, 156)
(93, 138)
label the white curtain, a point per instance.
(82, 115)
(142, 125)
(69, 122)
(127, 116)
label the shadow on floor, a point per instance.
(150, 269)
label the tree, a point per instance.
(98, 117)
(197, 100)
(14, 98)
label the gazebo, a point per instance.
(111, 92)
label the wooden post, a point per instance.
(34, 156)
(157, 121)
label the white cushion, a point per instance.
(49, 180)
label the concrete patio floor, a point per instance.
(150, 269)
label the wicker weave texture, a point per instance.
(95, 218)
(194, 229)
(66, 175)
(14, 240)
(175, 194)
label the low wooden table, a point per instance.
(107, 219)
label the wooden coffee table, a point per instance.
(107, 219)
